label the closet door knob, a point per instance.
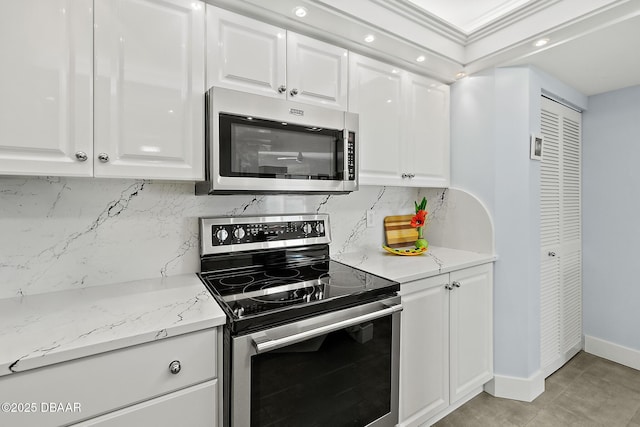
(293, 92)
(103, 157)
(282, 89)
(81, 156)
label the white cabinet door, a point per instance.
(424, 349)
(245, 54)
(149, 89)
(375, 93)
(45, 86)
(404, 125)
(427, 121)
(471, 329)
(193, 406)
(316, 72)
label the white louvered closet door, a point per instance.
(560, 236)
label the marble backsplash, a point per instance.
(62, 233)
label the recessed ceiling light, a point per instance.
(421, 58)
(300, 11)
(394, 71)
(461, 74)
(369, 38)
(541, 42)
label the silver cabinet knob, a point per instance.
(411, 175)
(552, 254)
(456, 284)
(282, 89)
(81, 156)
(174, 367)
(103, 157)
(405, 175)
(293, 92)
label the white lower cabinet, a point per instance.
(189, 407)
(446, 341)
(131, 386)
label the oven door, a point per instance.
(336, 369)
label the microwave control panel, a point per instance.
(351, 156)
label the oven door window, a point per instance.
(251, 147)
(339, 379)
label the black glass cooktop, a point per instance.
(268, 294)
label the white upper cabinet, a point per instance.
(251, 56)
(376, 94)
(45, 87)
(245, 54)
(149, 88)
(404, 125)
(316, 72)
(427, 120)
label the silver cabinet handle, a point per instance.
(103, 157)
(405, 175)
(412, 175)
(456, 284)
(447, 287)
(293, 92)
(282, 89)
(272, 344)
(81, 156)
(174, 367)
(552, 254)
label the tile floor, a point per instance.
(586, 392)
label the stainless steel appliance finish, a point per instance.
(260, 144)
(308, 341)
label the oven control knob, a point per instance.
(307, 228)
(222, 234)
(239, 233)
(320, 228)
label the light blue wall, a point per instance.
(492, 117)
(611, 207)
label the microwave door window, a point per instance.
(260, 148)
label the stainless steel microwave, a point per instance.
(259, 144)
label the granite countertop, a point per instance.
(43, 329)
(436, 260)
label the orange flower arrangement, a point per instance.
(419, 220)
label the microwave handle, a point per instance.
(263, 344)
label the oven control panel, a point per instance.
(260, 232)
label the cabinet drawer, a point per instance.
(105, 382)
(194, 406)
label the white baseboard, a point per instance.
(516, 388)
(615, 352)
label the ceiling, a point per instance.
(468, 15)
(593, 45)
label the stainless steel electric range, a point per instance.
(308, 341)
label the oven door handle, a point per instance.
(264, 344)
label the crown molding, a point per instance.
(427, 20)
(511, 18)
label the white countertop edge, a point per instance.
(46, 329)
(437, 260)
(444, 270)
(103, 347)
